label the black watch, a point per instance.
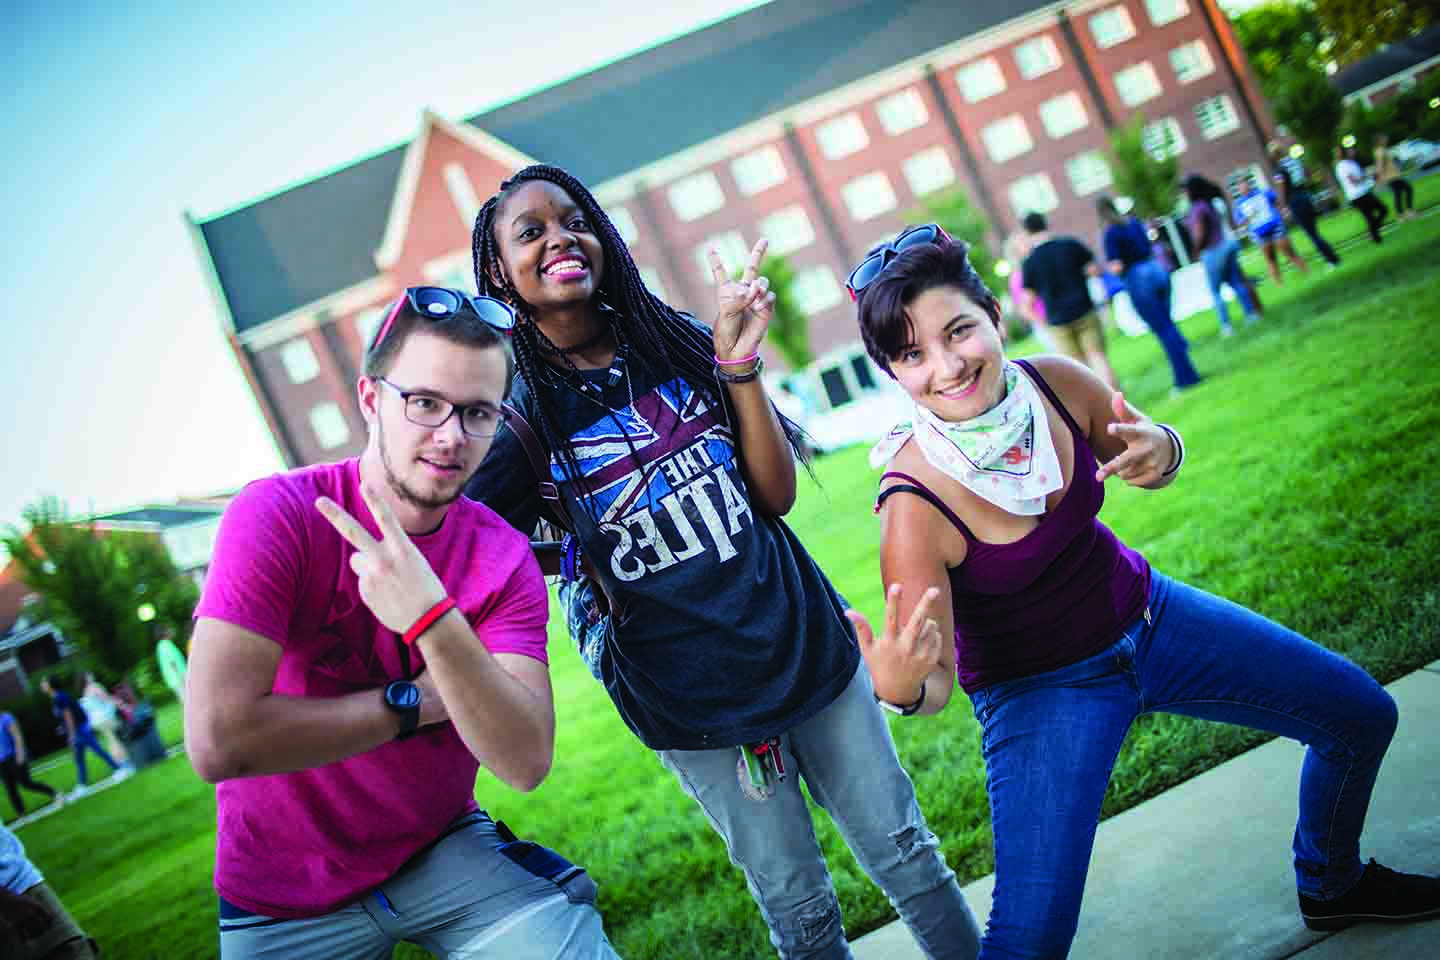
(403, 698)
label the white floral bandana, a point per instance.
(1006, 455)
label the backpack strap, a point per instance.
(535, 451)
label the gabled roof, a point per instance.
(303, 244)
(1395, 58)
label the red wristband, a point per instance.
(427, 620)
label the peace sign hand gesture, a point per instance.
(396, 581)
(746, 306)
(1148, 450)
(900, 659)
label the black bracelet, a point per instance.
(1179, 451)
(907, 710)
(725, 376)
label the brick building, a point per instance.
(816, 123)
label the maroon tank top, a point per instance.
(1063, 592)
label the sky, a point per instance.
(120, 117)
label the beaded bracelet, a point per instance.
(1179, 450)
(723, 375)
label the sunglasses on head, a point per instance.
(872, 266)
(442, 303)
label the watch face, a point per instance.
(403, 695)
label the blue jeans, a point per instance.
(1149, 286)
(85, 740)
(1051, 740)
(1222, 265)
(848, 761)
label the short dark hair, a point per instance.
(885, 326)
(462, 329)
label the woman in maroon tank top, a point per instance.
(1000, 572)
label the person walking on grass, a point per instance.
(78, 731)
(730, 655)
(1129, 255)
(1296, 198)
(34, 924)
(1259, 212)
(104, 716)
(998, 571)
(366, 639)
(1056, 271)
(1387, 173)
(15, 766)
(1220, 254)
(1359, 190)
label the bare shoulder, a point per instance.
(912, 525)
(1079, 389)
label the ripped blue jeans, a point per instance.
(848, 762)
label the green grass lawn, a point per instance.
(1309, 494)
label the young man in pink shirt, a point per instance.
(367, 638)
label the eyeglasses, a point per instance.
(442, 303)
(872, 266)
(427, 410)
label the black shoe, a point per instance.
(1381, 895)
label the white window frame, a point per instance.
(928, 170)
(1162, 12)
(367, 322)
(1037, 68)
(696, 196)
(327, 422)
(1111, 27)
(1191, 61)
(1206, 117)
(1007, 138)
(1024, 188)
(1138, 83)
(759, 170)
(842, 136)
(624, 223)
(817, 289)
(1152, 133)
(788, 229)
(462, 193)
(980, 80)
(651, 276)
(731, 246)
(902, 112)
(1081, 171)
(869, 195)
(301, 363)
(1064, 115)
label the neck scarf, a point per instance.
(1005, 456)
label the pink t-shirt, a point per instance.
(1022, 297)
(303, 844)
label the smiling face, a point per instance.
(425, 468)
(548, 249)
(953, 364)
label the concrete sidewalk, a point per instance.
(1203, 870)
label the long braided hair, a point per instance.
(665, 340)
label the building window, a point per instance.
(1037, 57)
(1112, 26)
(1088, 172)
(1137, 84)
(902, 111)
(732, 248)
(1006, 138)
(980, 79)
(1163, 138)
(329, 425)
(301, 364)
(367, 323)
(842, 136)
(869, 196)
(758, 170)
(1216, 117)
(696, 196)
(928, 171)
(788, 230)
(1192, 61)
(1063, 115)
(462, 193)
(1033, 194)
(624, 223)
(1166, 11)
(651, 276)
(816, 289)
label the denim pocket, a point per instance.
(549, 865)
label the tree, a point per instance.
(1151, 182)
(94, 583)
(1310, 107)
(1361, 27)
(1279, 37)
(958, 216)
(789, 330)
